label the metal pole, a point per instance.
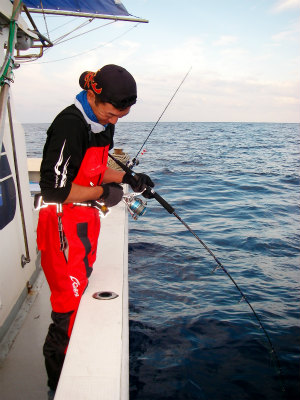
(5, 106)
(3, 103)
(17, 7)
(87, 15)
(25, 259)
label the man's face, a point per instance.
(106, 112)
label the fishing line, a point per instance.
(87, 51)
(133, 162)
(171, 210)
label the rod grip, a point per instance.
(155, 195)
(162, 201)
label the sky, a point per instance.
(244, 55)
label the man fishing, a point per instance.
(74, 179)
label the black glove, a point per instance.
(112, 194)
(138, 183)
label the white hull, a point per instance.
(15, 279)
(17, 236)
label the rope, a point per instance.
(64, 24)
(57, 41)
(123, 157)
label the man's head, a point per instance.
(111, 92)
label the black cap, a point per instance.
(112, 84)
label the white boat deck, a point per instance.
(22, 372)
(96, 365)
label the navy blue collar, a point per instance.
(82, 98)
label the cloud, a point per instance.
(212, 97)
(284, 5)
(177, 58)
(226, 82)
(41, 93)
(251, 100)
(289, 34)
(284, 35)
(225, 41)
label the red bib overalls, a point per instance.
(67, 271)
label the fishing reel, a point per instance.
(135, 205)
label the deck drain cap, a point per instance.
(105, 295)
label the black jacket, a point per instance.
(68, 138)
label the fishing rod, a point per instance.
(134, 161)
(171, 210)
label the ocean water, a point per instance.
(237, 186)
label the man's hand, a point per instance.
(138, 183)
(112, 194)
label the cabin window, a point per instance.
(7, 191)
